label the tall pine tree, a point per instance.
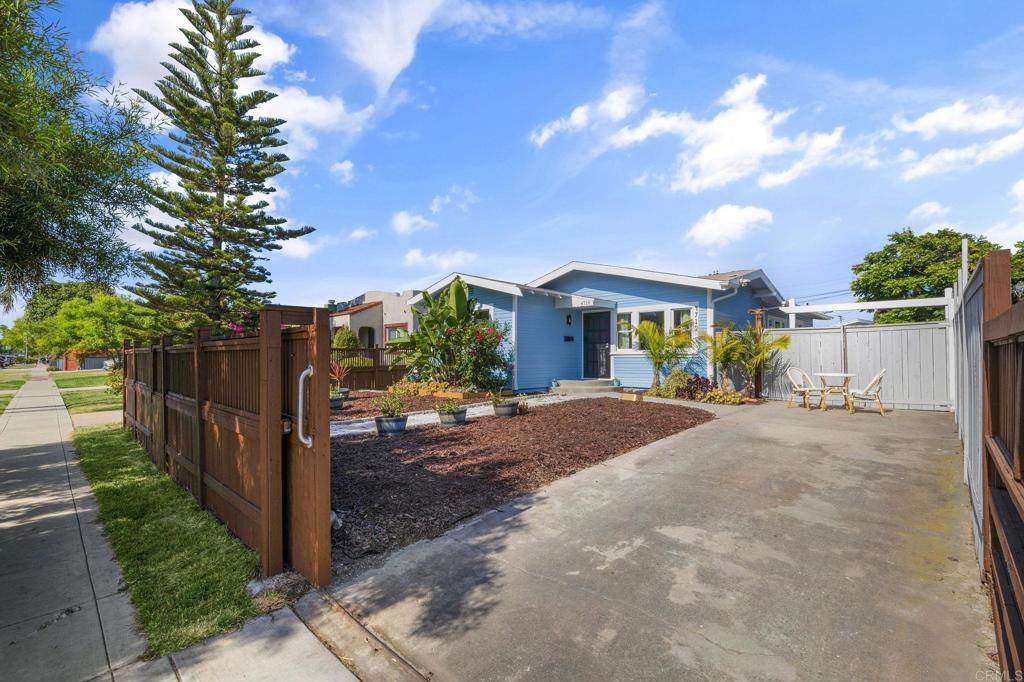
(208, 261)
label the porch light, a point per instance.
(568, 319)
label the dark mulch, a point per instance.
(359, 405)
(391, 492)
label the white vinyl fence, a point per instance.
(915, 358)
(968, 316)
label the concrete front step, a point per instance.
(581, 386)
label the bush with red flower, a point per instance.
(455, 343)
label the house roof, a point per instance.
(508, 288)
(621, 271)
(355, 309)
(729, 275)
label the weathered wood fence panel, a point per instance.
(210, 414)
(370, 369)
(914, 356)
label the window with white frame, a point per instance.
(665, 317)
(624, 325)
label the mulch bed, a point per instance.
(391, 492)
(359, 405)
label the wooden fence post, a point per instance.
(996, 298)
(200, 379)
(124, 383)
(271, 433)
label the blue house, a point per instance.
(574, 322)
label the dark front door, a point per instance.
(597, 340)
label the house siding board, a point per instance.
(735, 309)
(634, 371)
(544, 354)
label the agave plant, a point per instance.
(663, 348)
(756, 350)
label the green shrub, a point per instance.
(345, 338)
(448, 406)
(389, 404)
(672, 386)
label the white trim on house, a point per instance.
(482, 282)
(635, 273)
(864, 305)
(515, 343)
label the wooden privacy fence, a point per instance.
(221, 416)
(915, 358)
(370, 369)
(1002, 413)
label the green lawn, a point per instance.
(80, 378)
(78, 402)
(186, 573)
(12, 380)
(5, 400)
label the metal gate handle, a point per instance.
(300, 417)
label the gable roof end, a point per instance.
(635, 273)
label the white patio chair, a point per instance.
(871, 392)
(801, 385)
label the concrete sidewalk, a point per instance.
(61, 614)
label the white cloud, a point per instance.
(817, 149)
(960, 158)
(458, 196)
(302, 248)
(929, 210)
(990, 113)
(135, 38)
(614, 106)
(380, 36)
(344, 171)
(448, 260)
(735, 143)
(647, 178)
(728, 223)
(360, 233)
(1017, 192)
(405, 222)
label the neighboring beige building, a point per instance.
(375, 316)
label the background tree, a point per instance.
(71, 169)
(96, 325)
(209, 258)
(345, 338)
(914, 266)
(47, 299)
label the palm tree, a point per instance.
(756, 350)
(663, 348)
(722, 350)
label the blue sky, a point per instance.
(505, 138)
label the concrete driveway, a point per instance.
(771, 544)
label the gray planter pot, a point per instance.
(337, 402)
(508, 408)
(390, 426)
(345, 392)
(452, 418)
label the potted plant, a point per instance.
(450, 412)
(504, 407)
(393, 418)
(338, 391)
